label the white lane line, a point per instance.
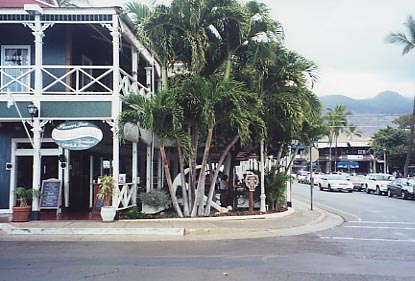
(368, 239)
(379, 227)
(339, 211)
(384, 222)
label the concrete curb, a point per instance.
(9, 229)
(325, 220)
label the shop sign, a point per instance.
(77, 135)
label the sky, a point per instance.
(346, 40)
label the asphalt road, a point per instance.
(375, 243)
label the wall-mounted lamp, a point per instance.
(33, 111)
(62, 159)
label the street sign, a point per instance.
(251, 182)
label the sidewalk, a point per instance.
(295, 221)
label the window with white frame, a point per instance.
(14, 77)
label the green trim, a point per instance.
(70, 109)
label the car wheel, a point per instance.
(389, 193)
(329, 187)
(403, 195)
(320, 187)
(367, 190)
(350, 191)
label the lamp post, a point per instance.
(262, 197)
(384, 160)
(36, 129)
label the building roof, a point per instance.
(21, 3)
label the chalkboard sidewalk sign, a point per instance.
(51, 194)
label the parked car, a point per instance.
(377, 183)
(402, 187)
(302, 176)
(334, 182)
(358, 182)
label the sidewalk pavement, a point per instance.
(296, 221)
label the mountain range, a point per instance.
(371, 114)
(386, 102)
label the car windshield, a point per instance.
(336, 177)
(384, 178)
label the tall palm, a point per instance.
(163, 116)
(337, 121)
(282, 79)
(408, 42)
(353, 131)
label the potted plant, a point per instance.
(105, 192)
(21, 213)
(154, 201)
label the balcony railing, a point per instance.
(68, 80)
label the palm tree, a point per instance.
(163, 117)
(337, 121)
(353, 131)
(408, 42)
(137, 11)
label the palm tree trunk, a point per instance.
(213, 183)
(183, 181)
(410, 143)
(169, 181)
(200, 191)
(193, 165)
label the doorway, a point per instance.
(80, 181)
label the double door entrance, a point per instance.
(73, 169)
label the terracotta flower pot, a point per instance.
(21, 214)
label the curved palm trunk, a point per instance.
(221, 160)
(200, 191)
(228, 68)
(193, 165)
(410, 143)
(183, 181)
(169, 181)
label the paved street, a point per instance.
(375, 243)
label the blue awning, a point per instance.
(347, 165)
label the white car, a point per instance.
(378, 183)
(302, 176)
(358, 182)
(333, 182)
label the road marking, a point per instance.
(379, 227)
(384, 222)
(368, 239)
(340, 211)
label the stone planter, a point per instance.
(108, 213)
(147, 209)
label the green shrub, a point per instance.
(154, 198)
(134, 213)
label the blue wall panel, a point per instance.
(5, 143)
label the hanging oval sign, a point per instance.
(77, 135)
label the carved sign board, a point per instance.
(251, 182)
